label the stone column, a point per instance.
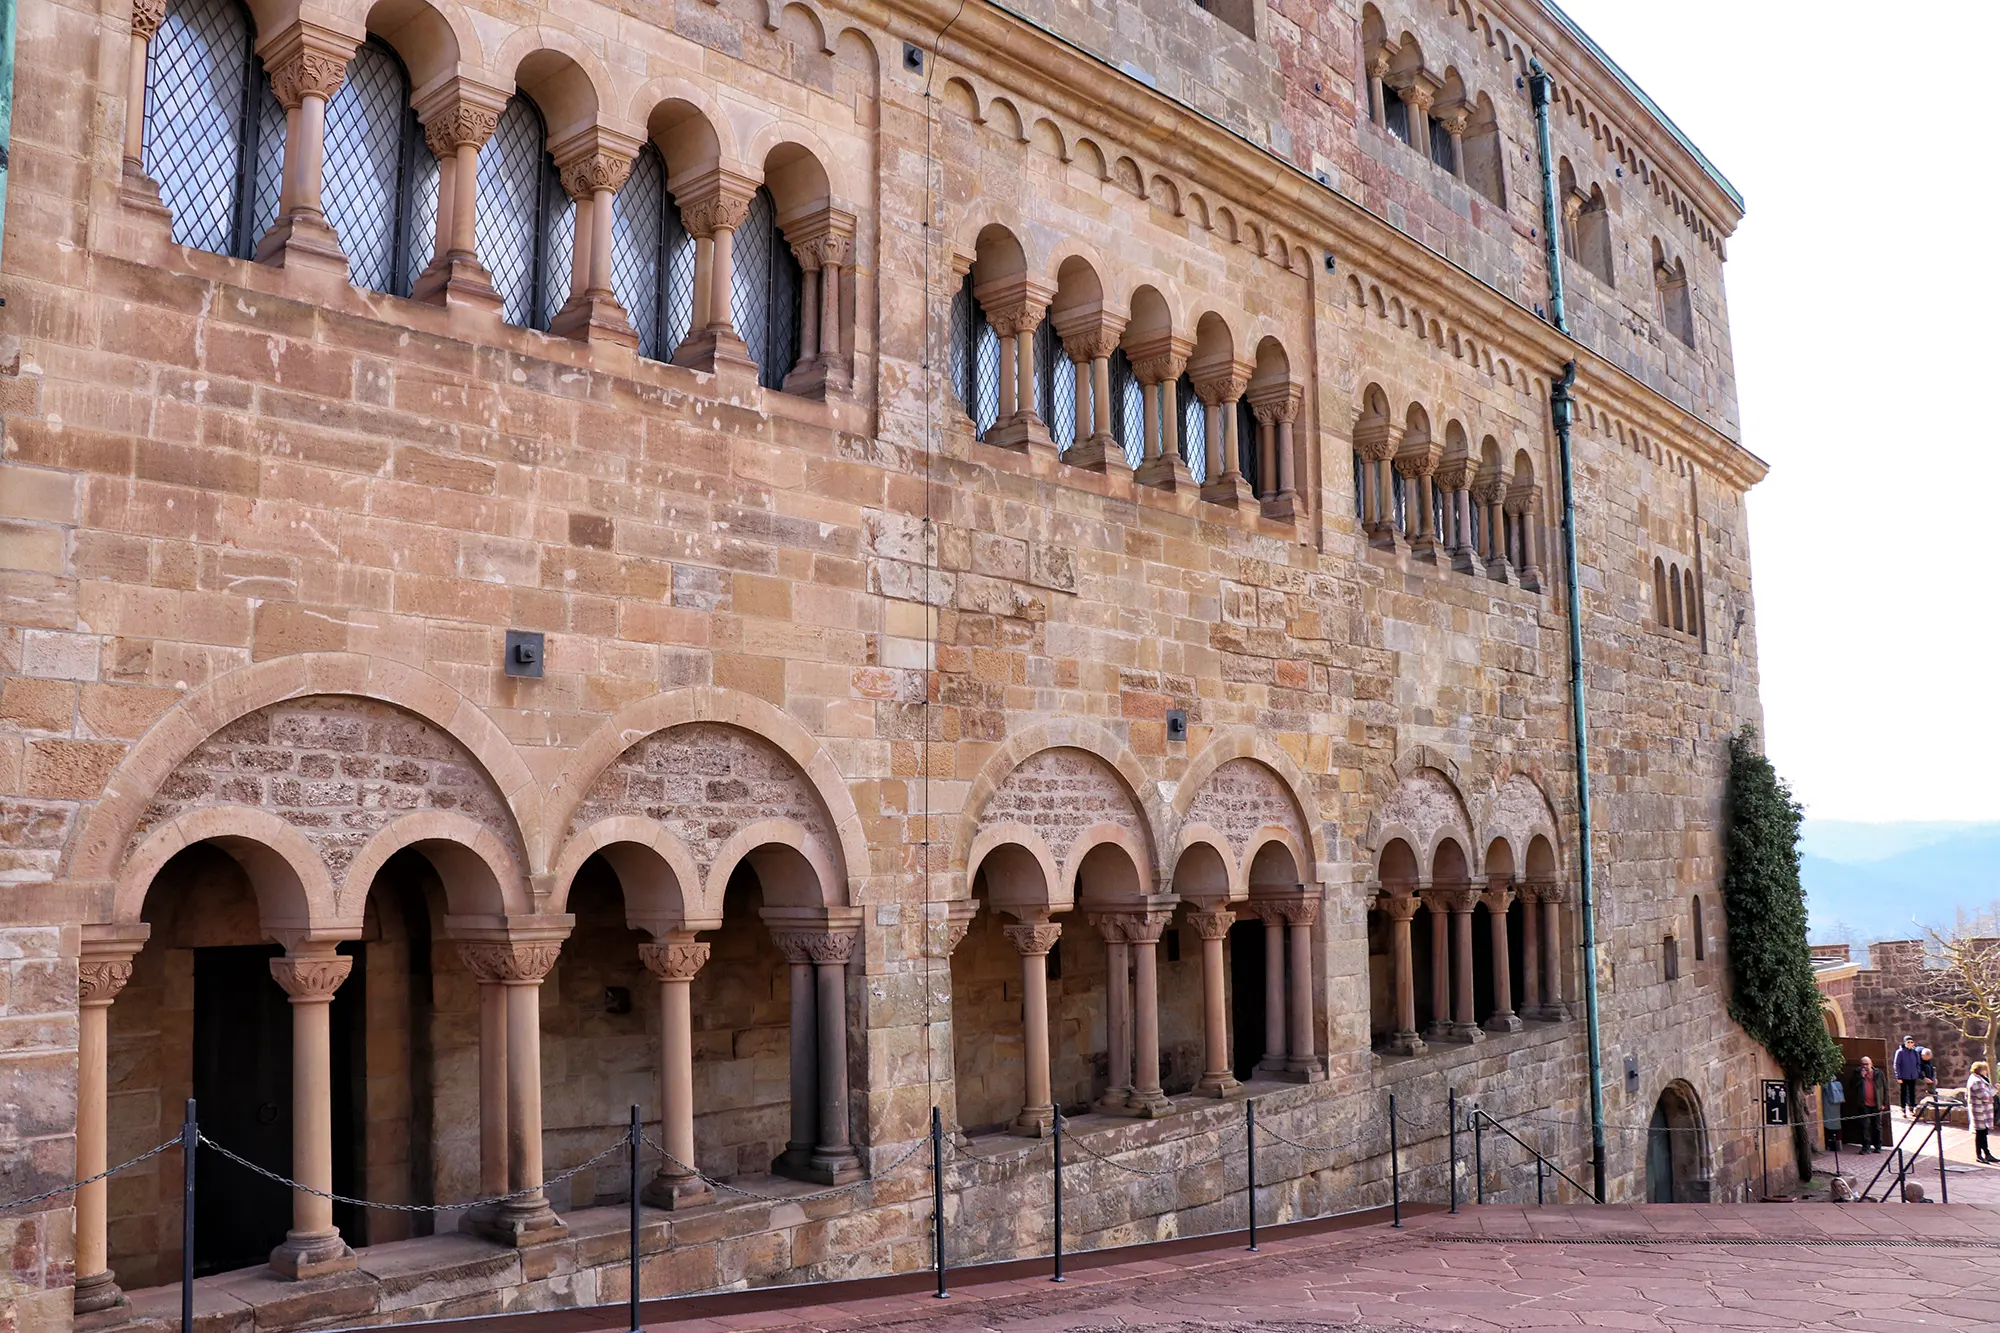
(1157, 363)
(1454, 475)
(1437, 903)
(1417, 523)
(457, 123)
(306, 64)
(1117, 1096)
(1221, 388)
(1273, 1061)
(1082, 410)
(1531, 953)
(1463, 899)
(136, 186)
(674, 962)
(1302, 1058)
(1417, 97)
(483, 962)
(1144, 930)
(1089, 339)
(1014, 308)
(1490, 491)
(1377, 442)
(105, 968)
(1276, 407)
(520, 965)
(834, 1160)
(713, 204)
(1400, 908)
(1378, 69)
(1498, 898)
(1552, 991)
(310, 973)
(1033, 940)
(1455, 116)
(796, 1159)
(594, 166)
(808, 302)
(1525, 502)
(823, 243)
(1217, 1078)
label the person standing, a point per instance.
(1979, 1102)
(1831, 1097)
(1872, 1100)
(1909, 1067)
(1926, 1073)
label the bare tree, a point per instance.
(1960, 983)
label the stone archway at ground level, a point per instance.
(1677, 1149)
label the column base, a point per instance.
(594, 317)
(1387, 538)
(793, 1163)
(1309, 1072)
(1467, 1032)
(1425, 549)
(677, 1193)
(1229, 489)
(137, 190)
(1099, 453)
(1216, 1085)
(1148, 1105)
(314, 1255)
(1024, 431)
(1466, 561)
(1113, 1101)
(97, 1291)
(834, 1166)
(1550, 1013)
(302, 240)
(457, 280)
(1406, 1043)
(1284, 507)
(1034, 1122)
(1271, 1066)
(521, 1223)
(1531, 579)
(1168, 472)
(1499, 571)
(716, 351)
(1503, 1023)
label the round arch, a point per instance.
(1240, 742)
(479, 874)
(1677, 1161)
(294, 892)
(655, 870)
(1072, 733)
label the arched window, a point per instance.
(1674, 596)
(1055, 384)
(1128, 408)
(652, 258)
(1484, 155)
(372, 147)
(975, 360)
(1660, 612)
(1700, 935)
(1593, 236)
(1693, 606)
(1247, 461)
(1395, 113)
(1399, 507)
(1440, 147)
(1671, 297)
(1193, 427)
(764, 292)
(525, 223)
(214, 134)
(1670, 957)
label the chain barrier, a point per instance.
(614, 1150)
(75, 1185)
(1265, 1130)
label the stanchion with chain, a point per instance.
(937, 1195)
(1395, 1170)
(1451, 1116)
(1250, 1165)
(1937, 1115)
(190, 1139)
(633, 1148)
(1056, 1144)
(1478, 1156)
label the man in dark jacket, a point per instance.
(1866, 1108)
(1909, 1068)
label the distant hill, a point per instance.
(1867, 882)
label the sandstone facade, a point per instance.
(897, 421)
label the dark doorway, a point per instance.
(1659, 1157)
(1517, 975)
(243, 1096)
(1421, 926)
(1246, 997)
(1482, 964)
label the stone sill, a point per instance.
(1391, 1069)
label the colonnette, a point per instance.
(1043, 532)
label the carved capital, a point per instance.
(464, 124)
(1158, 369)
(1418, 460)
(1215, 389)
(1376, 439)
(1033, 938)
(1450, 897)
(512, 961)
(1013, 305)
(1547, 891)
(674, 959)
(1276, 402)
(1297, 911)
(598, 171)
(1489, 489)
(1146, 927)
(307, 73)
(1455, 474)
(147, 16)
(1401, 905)
(1213, 924)
(716, 200)
(1498, 900)
(1090, 346)
(1528, 894)
(313, 977)
(816, 946)
(948, 934)
(99, 980)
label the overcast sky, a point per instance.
(1862, 296)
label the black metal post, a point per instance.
(1902, 1168)
(1395, 1170)
(1451, 1115)
(937, 1194)
(1539, 1175)
(1250, 1165)
(1764, 1153)
(1058, 1152)
(1937, 1115)
(190, 1140)
(632, 1142)
(1479, 1154)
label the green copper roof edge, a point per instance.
(1575, 30)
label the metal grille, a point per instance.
(1246, 446)
(555, 247)
(1193, 427)
(198, 81)
(764, 292)
(370, 147)
(1055, 384)
(421, 233)
(509, 198)
(1128, 408)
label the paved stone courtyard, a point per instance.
(1664, 1267)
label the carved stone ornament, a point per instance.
(1399, 906)
(949, 933)
(507, 960)
(1498, 900)
(147, 16)
(1417, 465)
(1298, 911)
(674, 960)
(1212, 925)
(98, 982)
(311, 978)
(599, 171)
(721, 211)
(1546, 892)
(1158, 369)
(1147, 927)
(1090, 346)
(816, 946)
(462, 125)
(1489, 490)
(1033, 938)
(308, 73)
(1455, 474)
(1376, 440)
(832, 249)
(1218, 389)
(1012, 321)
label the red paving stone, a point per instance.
(1648, 1269)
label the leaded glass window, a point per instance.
(764, 292)
(1128, 408)
(1362, 469)
(652, 258)
(1246, 446)
(1395, 113)
(975, 360)
(524, 221)
(214, 134)
(371, 150)
(1055, 384)
(420, 237)
(1193, 427)
(1440, 147)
